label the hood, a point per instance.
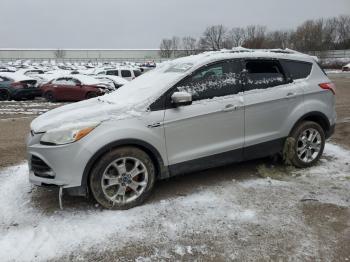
(131, 100)
(92, 110)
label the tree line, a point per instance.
(312, 35)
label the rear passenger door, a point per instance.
(270, 97)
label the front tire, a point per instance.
(4, 95)
(91, 95)
(49, 96)
(123, 178)
(308, 144)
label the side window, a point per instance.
(126, 73)
(112, 72)
(72, 82)
(263, 74)
(220, 79)
(137, 73)
(102, 73)
(297, 69)
(59, 81)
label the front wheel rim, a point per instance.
(124, 180)
(309, 145)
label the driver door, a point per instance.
(210, 131)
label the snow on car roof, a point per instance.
(84, 79)
(16, 76)
(116, 79)
(151, 85)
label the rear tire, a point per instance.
(4, 95)
(123, 178)
(49, 96)
(306, 143)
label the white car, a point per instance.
(124, 72)
(112, 80)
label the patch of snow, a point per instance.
(28, 232)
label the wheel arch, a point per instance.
(161, 170)
(317, 117)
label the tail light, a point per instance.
(328, 86)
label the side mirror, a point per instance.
(181, 99)
(78, 84)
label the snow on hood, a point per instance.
(130, 100)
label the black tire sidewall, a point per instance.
(5, 94)
(97, 173)
(91, 95)
(296, 133)
(49, 96)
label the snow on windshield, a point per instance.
(146, 88)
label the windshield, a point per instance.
(146, 88)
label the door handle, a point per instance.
(291, 95)
(230, 107)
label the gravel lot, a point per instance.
(257, 210)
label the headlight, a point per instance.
(67, 134)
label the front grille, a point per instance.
(40, 168)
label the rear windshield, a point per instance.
(297, 69)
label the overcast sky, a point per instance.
(142, 24)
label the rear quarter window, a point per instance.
(126, 73)
(297, 69)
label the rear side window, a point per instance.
(137, 73)
(113, 72)
(263, 74)
(297, 69)
(126, 73)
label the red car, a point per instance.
(73, 88)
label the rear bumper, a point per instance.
(330, 132)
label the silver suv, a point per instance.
(189, 114)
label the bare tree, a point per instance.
(166, 48)
(344, 31)
(60, 53)
(255, 36)
(213, 38)
(189, 45)
(176, 45)
(277, 39)
(235, 37)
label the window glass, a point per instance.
(263, 74)
(59, 81)
(211, 81)
(126, 73)
(113, 72)
(137, 73)
(297, 69)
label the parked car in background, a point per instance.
(16, 86)
(346, 68)
(126, 73)
(73, 88)
(115, 81)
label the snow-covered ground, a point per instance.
(238, 218)
(26, 108)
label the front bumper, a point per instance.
(61, 166)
